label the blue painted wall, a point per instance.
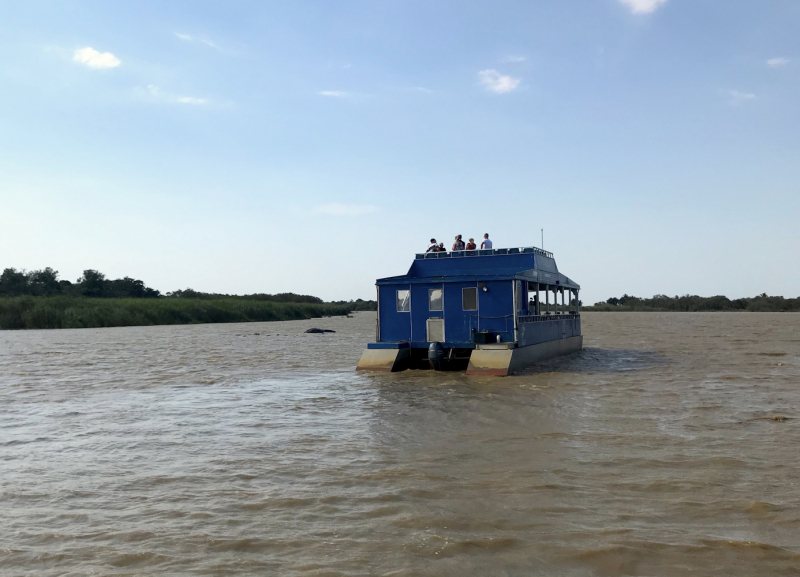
(495, 312)
(458, 322)
(496, 309)
(394, 326)
(475, 265)
(420, 313)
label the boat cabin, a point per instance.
(463, 300)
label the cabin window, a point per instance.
(403, 301)
(469, 298)
(434, 299)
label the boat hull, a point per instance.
(496, 360)
(384, 360)
(499, 360)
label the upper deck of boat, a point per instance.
(527, 263)
(485, 252)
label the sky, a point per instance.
(314, 146)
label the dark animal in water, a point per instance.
(320, 331)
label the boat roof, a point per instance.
(529, 263)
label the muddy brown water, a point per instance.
(669, 446)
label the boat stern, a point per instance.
(385, 357)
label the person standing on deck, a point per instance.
(433, 246)
(486, 242)
(458, 244)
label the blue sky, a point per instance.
(315, 146)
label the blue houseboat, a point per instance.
(486, 311)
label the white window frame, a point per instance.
(441, 300)
(407, 301)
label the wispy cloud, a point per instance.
(422, 89)
(777, 62)
(514, 59)
(201, 39)
(643, 6)
(495, 82)
(738, 97)
(159, 95)
(191, 100)
(93, 59)
(338, 209)
(339, 66)
(333, 93)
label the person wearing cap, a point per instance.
(433, 246)
(458, 244)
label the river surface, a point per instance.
(669, 446)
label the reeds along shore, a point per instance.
(693, 303)
(67, 312)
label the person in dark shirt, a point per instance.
(441, 248)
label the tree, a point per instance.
(92, 283)
(44, 282)
(13, 282)
(130, 288)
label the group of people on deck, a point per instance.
(460, 245)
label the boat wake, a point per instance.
(596, 360)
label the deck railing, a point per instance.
(550, 317)
(486, 252)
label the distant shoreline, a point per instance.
(762, 303)
(69, 312)
(593, 309)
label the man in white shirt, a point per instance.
(433, 246)
(486, 242)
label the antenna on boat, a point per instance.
(542, 239)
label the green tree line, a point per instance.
(359, 305)
(64, 312)
(276, 298)
(93, 283)
(40, 300)
(694, 303)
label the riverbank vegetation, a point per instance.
(694, 303)
(94, 284)
(63, 312)
(39, 300)
(359, 305)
